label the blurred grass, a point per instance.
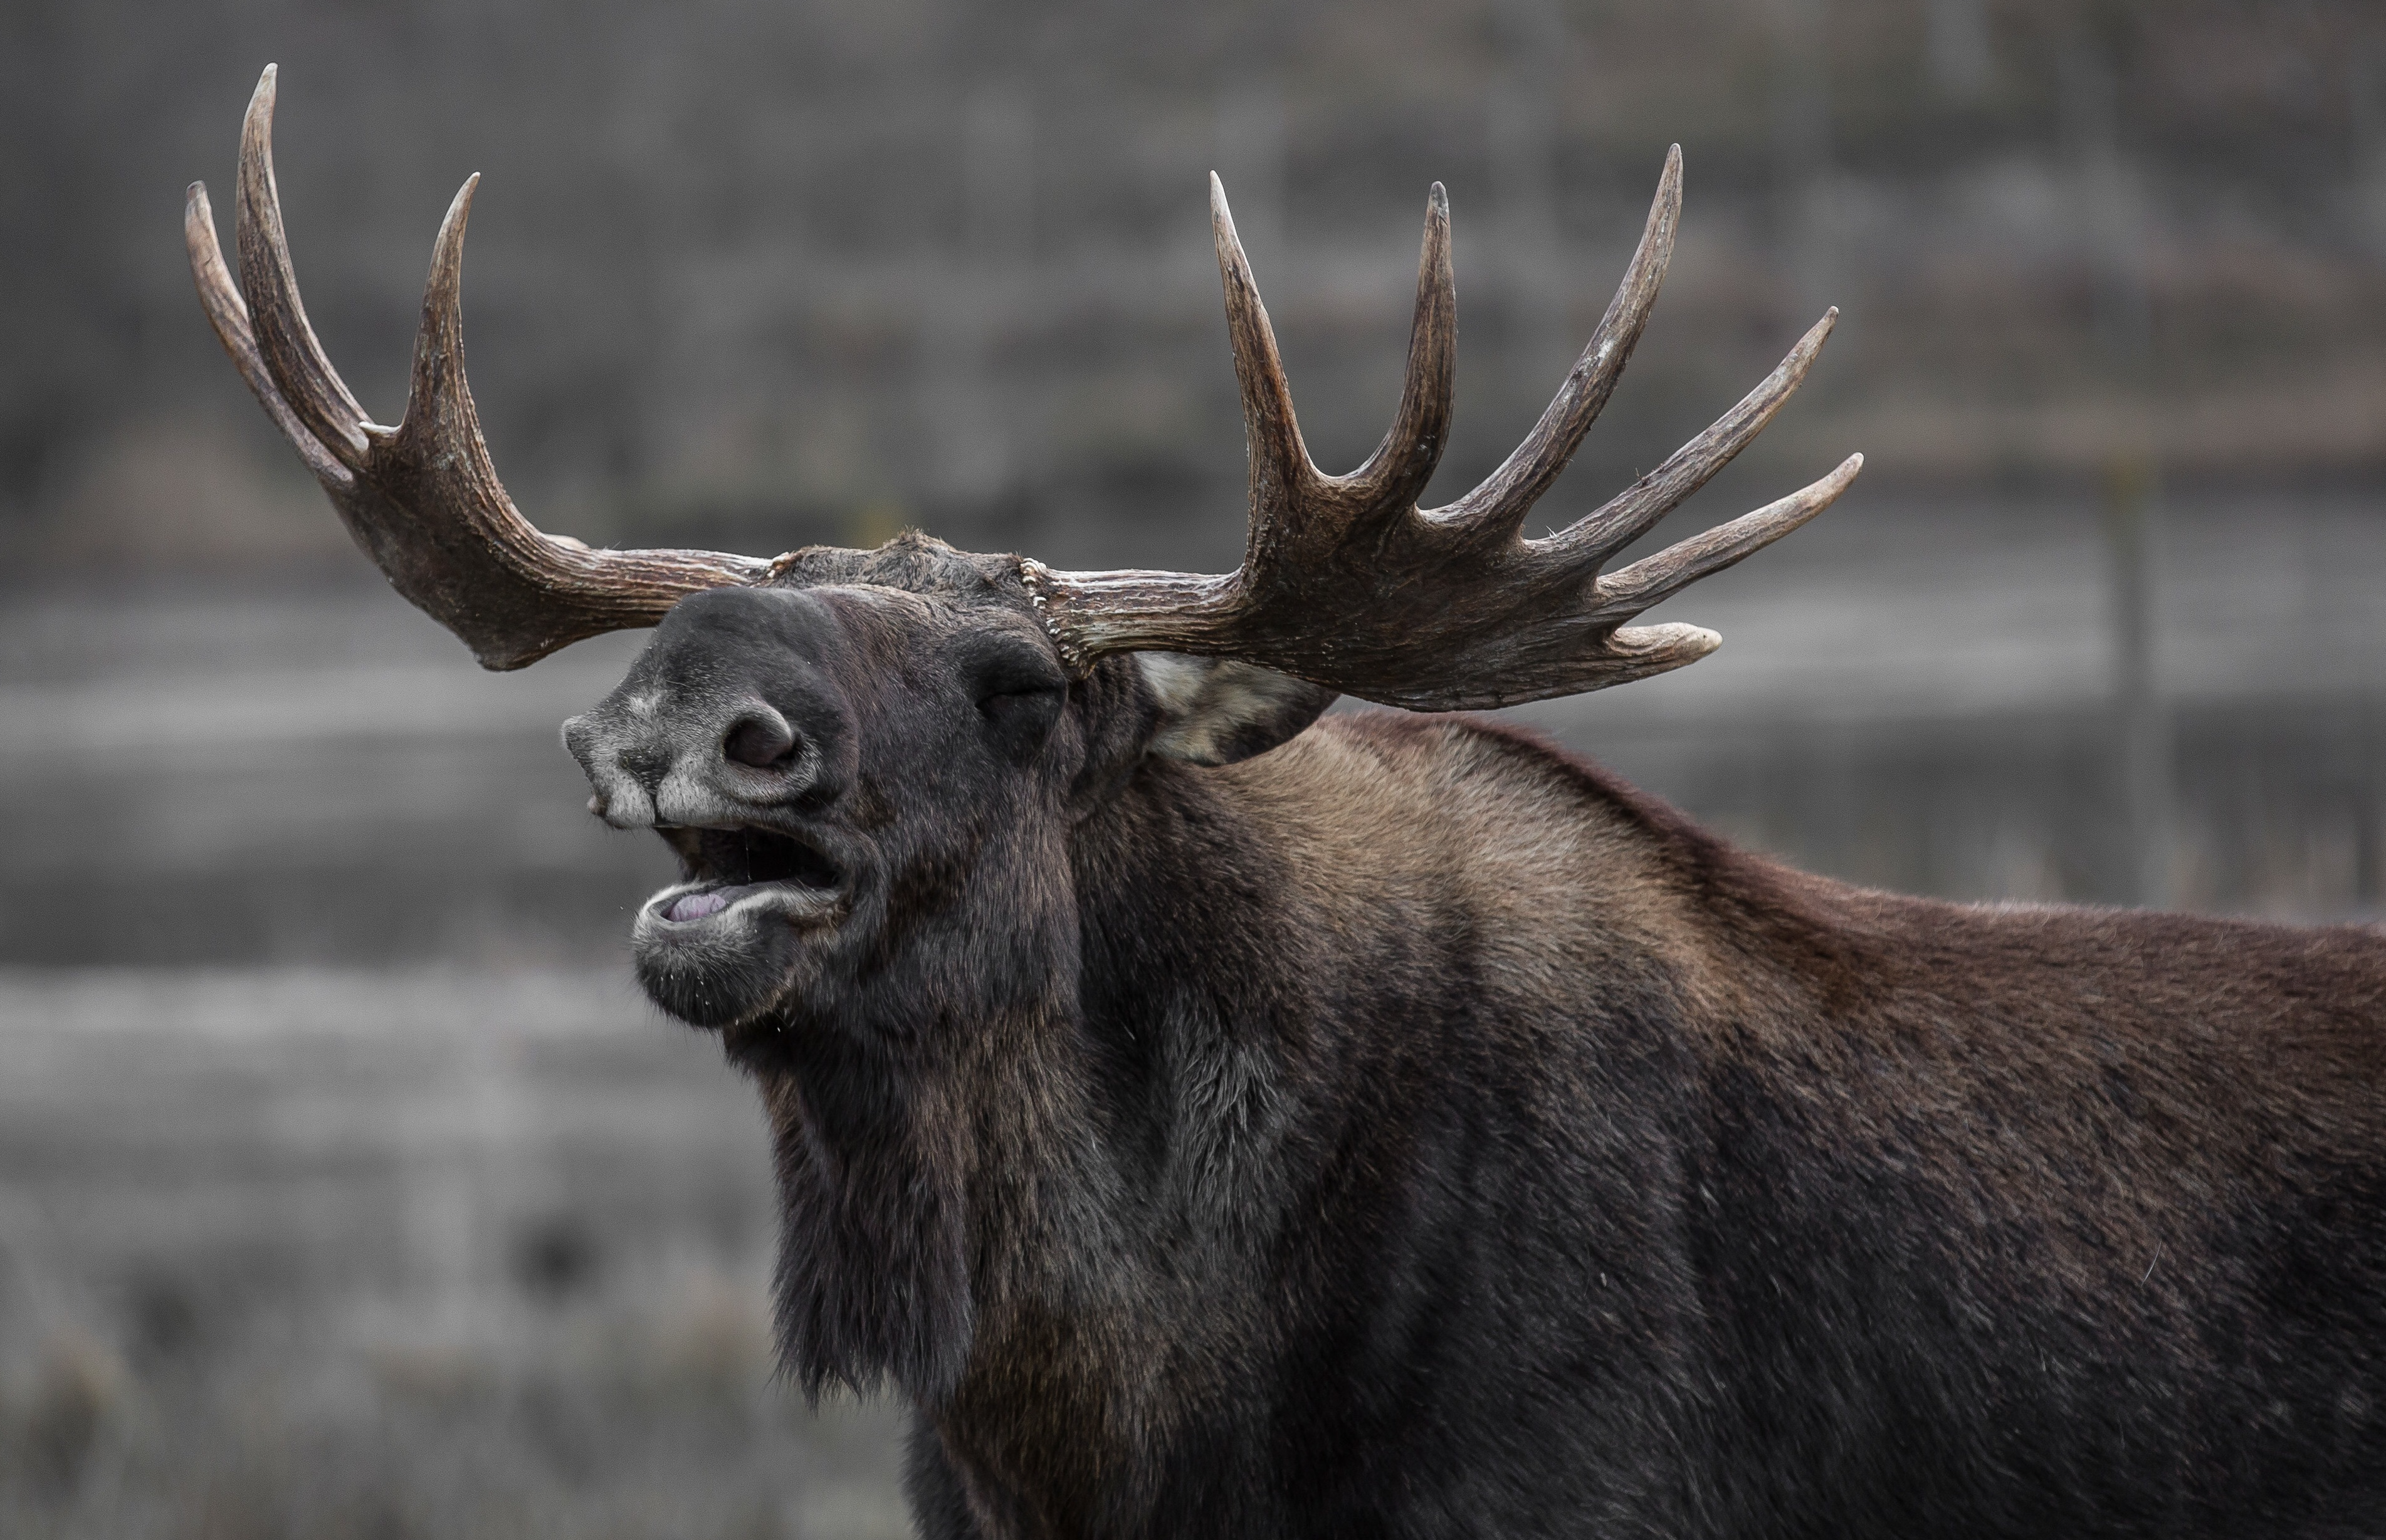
(426, 1254)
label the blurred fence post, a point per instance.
(2111, 210)
(2112, 216)
(2141, 714)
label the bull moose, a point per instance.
(1218, 1120)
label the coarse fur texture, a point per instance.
(1410, 1130)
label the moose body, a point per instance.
(1488, 1150)
(1219, 1121)
(1414, 1131)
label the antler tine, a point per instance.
(1397, 472)
(440, 436)
(313, 389)
(452, 540)
(1634, 511)
(423, 499)
(227, 313)
(1627, 591)
(1282, 475)
(1507, 493)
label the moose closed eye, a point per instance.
(1013, 675)
(1019, 694)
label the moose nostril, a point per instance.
(765, 742)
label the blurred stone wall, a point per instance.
(762, 274)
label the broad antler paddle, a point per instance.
(1345, 581)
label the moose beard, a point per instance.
(915, 1195)
(874, 1282)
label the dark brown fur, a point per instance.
(1412, 1131)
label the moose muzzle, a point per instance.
(731, 738)
(728, 719)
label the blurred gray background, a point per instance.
(346, 1185)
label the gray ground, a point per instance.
(431, 1252)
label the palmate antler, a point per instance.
(421, 499)
(1345, 581)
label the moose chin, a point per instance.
(1218, 1120)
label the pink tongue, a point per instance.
(696, 906)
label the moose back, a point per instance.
(1216, 1121)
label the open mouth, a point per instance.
(732, 867)
(727, 945)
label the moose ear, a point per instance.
(1215, 710)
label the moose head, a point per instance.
(898, 780)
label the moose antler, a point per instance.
(1347, 583)
(420, 498)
